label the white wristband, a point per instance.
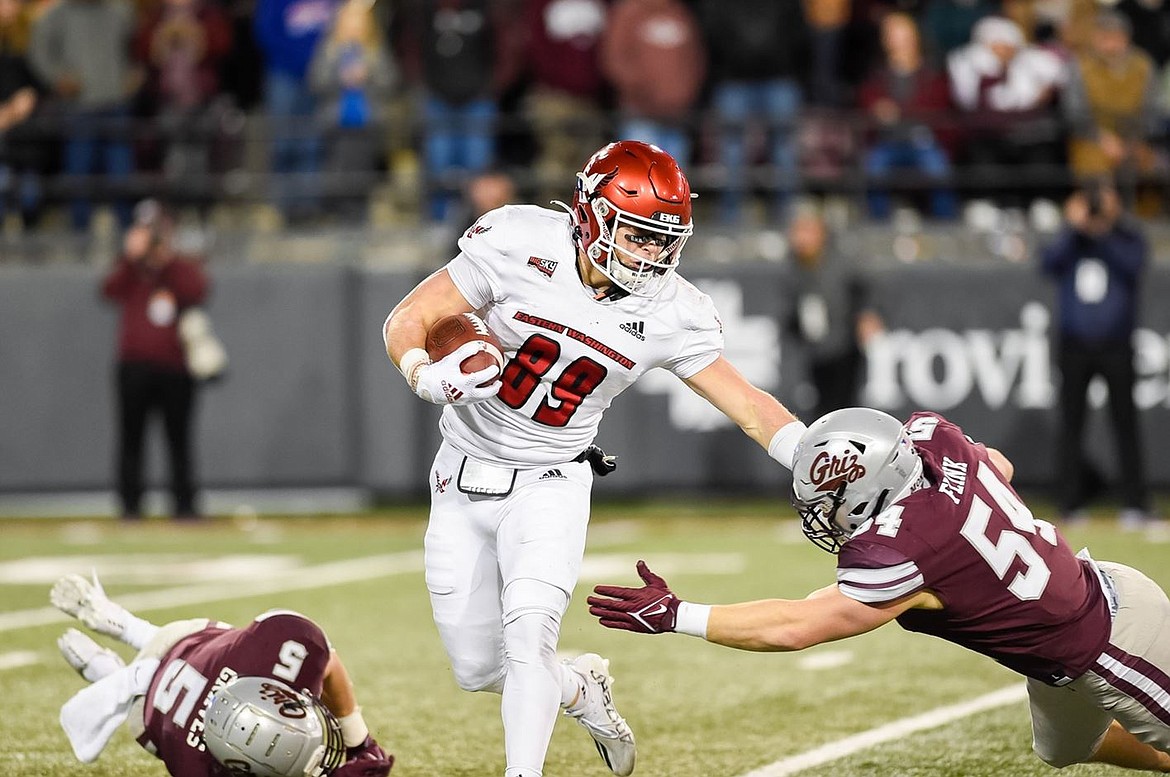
(410, 363)
(353, 728)
(692, 619)
(782, 446)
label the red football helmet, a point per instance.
(636, 185)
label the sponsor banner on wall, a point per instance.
(973, 344)
(312, 400)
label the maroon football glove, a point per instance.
(651, 609)
(366, 760)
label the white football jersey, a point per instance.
(568, 354)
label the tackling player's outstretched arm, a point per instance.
(796, 624)
(761, 416)
(765, 625)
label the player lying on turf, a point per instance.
(929, 533)
(207, 699)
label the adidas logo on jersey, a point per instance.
(636, 328)
(553, 474)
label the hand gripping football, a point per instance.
(450, 332)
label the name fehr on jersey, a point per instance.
(568, 354)
(1011, 587)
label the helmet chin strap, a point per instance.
(612, 292)
(913, 483)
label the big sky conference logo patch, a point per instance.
(544, 266)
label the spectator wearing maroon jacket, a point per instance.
(153, 286)
(905, 99)
(654, 54)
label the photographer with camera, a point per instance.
(155, 288)
(1097, 260)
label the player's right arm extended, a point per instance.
(338, 695)
(406, 326)
(796, 624)
(764, 625)
(337, 689)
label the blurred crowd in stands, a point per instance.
(312, 107)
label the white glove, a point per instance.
(444, 383)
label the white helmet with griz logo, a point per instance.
(261, 726)
(850, 465)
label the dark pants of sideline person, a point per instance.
(1079, 361)
(142, 390)
(836, 380)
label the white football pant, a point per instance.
(500, 572)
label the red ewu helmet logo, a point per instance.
(830, 471)
(591, 183)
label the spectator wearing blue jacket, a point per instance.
(1097, 261)
(287, 32)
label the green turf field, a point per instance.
(696, 709)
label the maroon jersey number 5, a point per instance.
(180, 689)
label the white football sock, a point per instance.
(532, 690)
(137, 632)
(94, 713)
(572, 687)
(101, 665)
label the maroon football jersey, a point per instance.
(280, 644)
(1011, 587)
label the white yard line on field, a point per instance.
(940, 716)
(333, 573)
(597, 566)
(18, 658)
(828, 659)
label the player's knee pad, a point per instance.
(531, 638)
(478, 672)
(532, 621)
(532, 595)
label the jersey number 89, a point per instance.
(531, 363)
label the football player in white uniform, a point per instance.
(583, 305)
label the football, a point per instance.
(450, 332)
